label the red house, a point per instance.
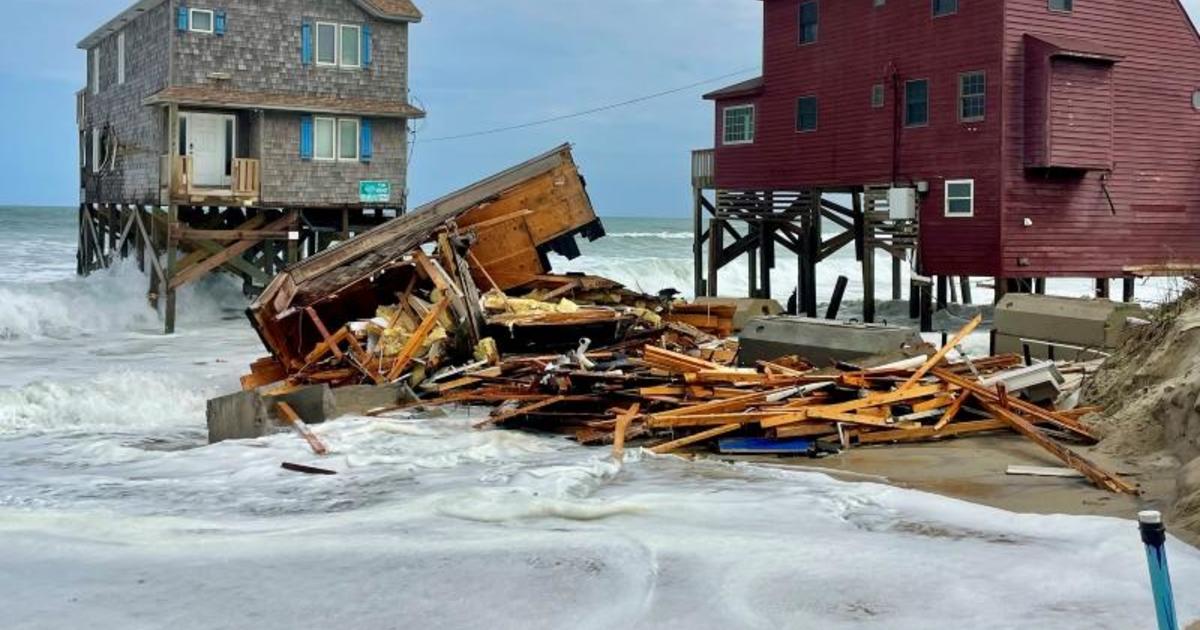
(1040, 138)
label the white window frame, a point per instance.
(947, 198)
(725, 141)
(357, 139)
(212, 21)
(96, 70)
(341, 62)
(337, 43)
(121, 58)
(334, 145)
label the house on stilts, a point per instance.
(1013, 139)
(240, 135)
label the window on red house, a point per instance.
(806, 114)
(809, 18)
(916, 103)
(1062, 6)
(944, 7)
(972, 96)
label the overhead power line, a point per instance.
(594, 110)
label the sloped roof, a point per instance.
(400, 10)
(745, 88)
(217, 96)
(392, 10)
(1075, 47)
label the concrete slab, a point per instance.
(747, 308)
(250, 415)
(1088, 323)
(823, 342)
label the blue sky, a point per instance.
(476, 64)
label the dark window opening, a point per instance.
(228, 148)
(916, 103)
(806, 114)
(809, 18)
(878, 95)
(183, 147)
(972, 96)
(1063, 6)
(945, 7)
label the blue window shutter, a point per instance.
(367, 138)
(306, 43)
(306, 137)
(219, 22)
(366, 46)
(183, 18)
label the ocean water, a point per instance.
(114, 513)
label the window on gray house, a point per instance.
(327, 36)
(351, 46)
(806, 114)
(972, 96)
(809, 21)
(916, 103)
(200, 21)
(944, 7)
(325, 139)
(1063, 6)
(183, 147)
(877, 95)
(348, 139)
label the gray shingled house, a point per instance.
(274, 120)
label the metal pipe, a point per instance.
(1154, 536)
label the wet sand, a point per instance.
(974, 470)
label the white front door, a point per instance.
(210, 138)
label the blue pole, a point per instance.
(1154, 535)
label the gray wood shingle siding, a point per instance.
(138, 129)
(260, 51)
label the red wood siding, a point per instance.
(1154, 215)
(1081, 114)
(859, 46)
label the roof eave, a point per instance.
(109, 27)
(374, 11)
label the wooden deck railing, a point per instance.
(246, 180)
(247, 177)
(703, 168)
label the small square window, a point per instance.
(738, 125)
(960, 197)
(972, 96)
(916, 103)
(327, 45)
(1062, 6)
(878, 96)
(806, 114)
(350, 46)
(347, 139)
(200, 21)
(944, 7)
(809, 21)
(325, 139)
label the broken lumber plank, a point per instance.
(850, 418)
(663, 449)
(941, 354)
(623, 421)
(927, 434)
(520, 411)
(807, 429)
(1042, 471)
(326, 346)
(418, 338)
(308, 470)
(289, 415)
(324, 332)
(984, 394)
(871, 400)
(1097, 475)
(711, 419)
(953, 410)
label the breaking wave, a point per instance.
(114, 401)
(661, 235)
(107, 301)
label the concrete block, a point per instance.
(747, 308)
(357, 400)
(250, 415)
(1074, 321)
(823, 342)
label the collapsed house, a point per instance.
(456, 303)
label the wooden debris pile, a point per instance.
(675, 388)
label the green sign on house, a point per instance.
(374, 192)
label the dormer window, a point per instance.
(200, 21)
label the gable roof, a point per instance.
(750, 87)
(390, 10)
